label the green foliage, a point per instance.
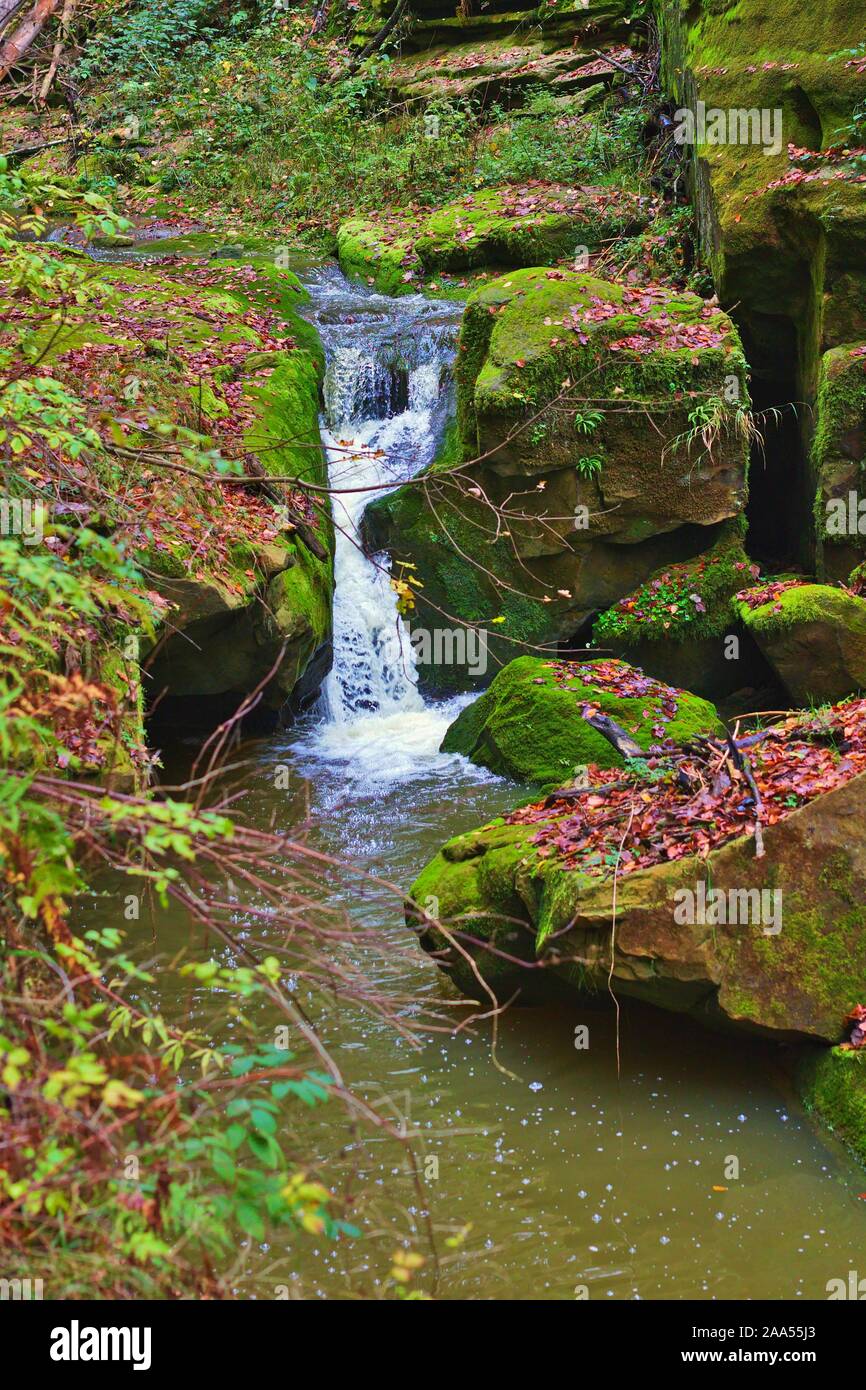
(590, 467)
(153, 32)
(543, 141)
(685, 601)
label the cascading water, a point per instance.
(387, 398)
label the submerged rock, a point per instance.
(529, 725)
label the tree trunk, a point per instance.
(7, 10)
(18, 43)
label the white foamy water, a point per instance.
(387, 398)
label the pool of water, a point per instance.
(693, 1173)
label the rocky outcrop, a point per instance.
(502, 53)
(679, 625)
(838, 457)
(792, 964)
(813, 636)
(832, 1084)
(535, 223)
(530, 724)
(226, 359)
(779, 193)
(573, 420)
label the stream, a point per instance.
(691, 1174)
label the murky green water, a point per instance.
(571, 1176)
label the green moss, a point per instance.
(504, 226)
(524, 335)
(470, 887)
(815, 638)
(805, 603)
(529, 725)
(833, 1086)
(838, 457)
(243, 609)
(366, 252)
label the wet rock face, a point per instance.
(600, 484)
(775, 945)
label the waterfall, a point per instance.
(387, 398)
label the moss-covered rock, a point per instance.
(257, 367)
(527, 225)
(832, 1084)
(529, 725)
(839, 461)
(782, 229)
(814, 637)
(679, 625)
(781, 210)
(501, 53)
(793, 968)
(601, 482)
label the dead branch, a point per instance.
(615, 734)
(59, 45)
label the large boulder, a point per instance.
(679, 626)
(501, 53)
(813, 636)
(212, 358)
(775, 943)
(530, 723)
(574, 397)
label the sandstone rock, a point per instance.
(597, 497)
(797, 982)
(838, 458)
(525, 225)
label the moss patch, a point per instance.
(814, 637)
(529, 724)
(833, 1086)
